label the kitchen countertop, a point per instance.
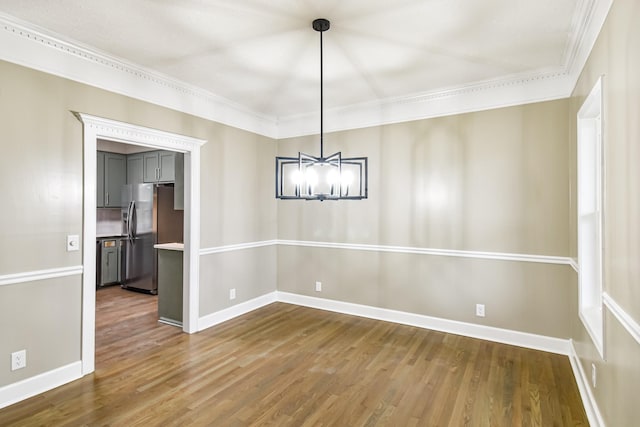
(109, 236)
(170, 246)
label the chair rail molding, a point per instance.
(32, 276)
(628, 322)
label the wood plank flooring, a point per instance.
(284, 365)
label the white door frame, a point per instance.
(95, 128)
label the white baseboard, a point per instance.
(505, 336)
(46, 381)
(235, 311)
(588, 399)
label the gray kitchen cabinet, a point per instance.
(167, 166)
(135, 169)
(111, 176)
(100, 180)
(178, 188)
(110, 262)
(170, 287)
(151, 166)
(159, 166)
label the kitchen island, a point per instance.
(170, 283)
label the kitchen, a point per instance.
(140, 223)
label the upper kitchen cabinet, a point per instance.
(159, 166)
(178, 189)
(112, 175)
(135, 169)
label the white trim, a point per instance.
(479, 96)
(590, 130)
(505, 336)
(32, 276)
(26, 44)
(139, 135)
(191, 272)
(574, 264)
(236, 310)
(98, 127)
(623, 317)
(41, 383)
(588, 399)
(587, 23)
(502, 256)
(237, 247)
(431, 251)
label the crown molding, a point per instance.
(28, 45)
(479, 96)
(25, 44)
(588, 20)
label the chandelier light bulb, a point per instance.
(311, 177)
(346, 178)
(297, 177)
(333, 177)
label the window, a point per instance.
(590, 160)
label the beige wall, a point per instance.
(233, 270)
(41, 185)
(488, 181)
(527, 297)
(617, 57)
(492, 181)
(44, 318)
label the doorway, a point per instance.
(95, 128)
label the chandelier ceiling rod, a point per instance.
(321, 25)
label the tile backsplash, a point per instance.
(109, 221)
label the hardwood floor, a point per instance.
(284, 365)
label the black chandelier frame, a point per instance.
(340, 173)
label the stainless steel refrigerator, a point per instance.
(148, 217)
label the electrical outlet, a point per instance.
(18, 360)
(318, 286)
(480, 310)
(594, 376)
(232, 293)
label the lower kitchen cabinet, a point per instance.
(110, 262)
(170, 278)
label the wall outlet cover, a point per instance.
(73, 243)
(318, 286)
(232, 293)
(18, 360)
(480, 310)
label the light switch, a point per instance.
(73, 243)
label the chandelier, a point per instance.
(321, 178)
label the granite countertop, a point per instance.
(170, 246)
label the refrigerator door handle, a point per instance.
(129, 219)
(133, 220)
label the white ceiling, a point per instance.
(264, 55)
